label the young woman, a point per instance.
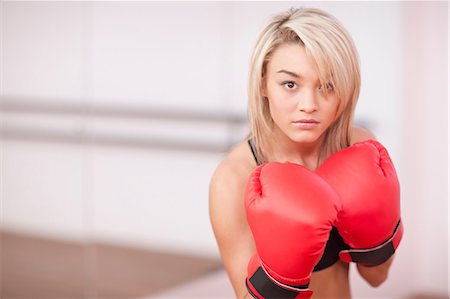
(304, 83)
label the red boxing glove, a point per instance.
(290, 211)
(369, 222)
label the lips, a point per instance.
(307, 121)
(306, 124)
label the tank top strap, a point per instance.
(253, 149)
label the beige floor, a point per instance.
(39, 268)
(214, 286)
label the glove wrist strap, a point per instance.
(377, 255)
(260, 285)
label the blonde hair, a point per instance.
(331, 49)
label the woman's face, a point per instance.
(298, 105)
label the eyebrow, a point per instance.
(290, 73)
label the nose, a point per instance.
(307, 101)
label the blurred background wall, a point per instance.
(114, 116)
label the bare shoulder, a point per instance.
(233, 169)
(226, 188)
(360, 134)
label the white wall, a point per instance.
(194, 56)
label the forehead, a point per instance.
(292, 57)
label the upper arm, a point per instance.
(360, 134)
(229, 223)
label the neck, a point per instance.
(283, 149)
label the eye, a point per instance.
(289, 84)
(330, 87)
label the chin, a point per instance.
(305, 138)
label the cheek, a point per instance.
(280, 101)
(332, 109)
(279, 107)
